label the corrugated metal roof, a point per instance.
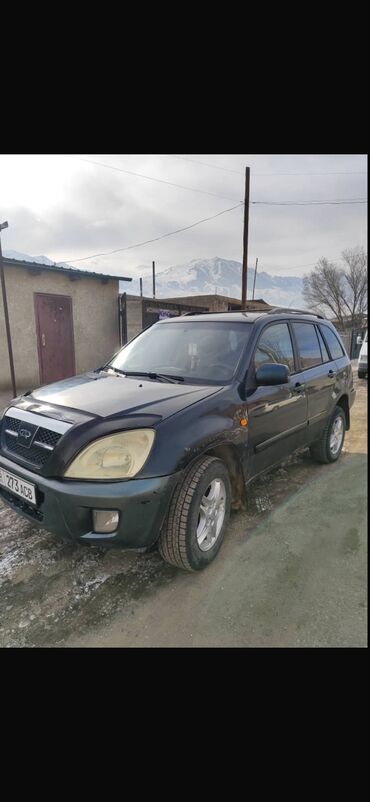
(59, 269)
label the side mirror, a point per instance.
(359, 340)
(272, 373)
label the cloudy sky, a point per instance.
(67, 208)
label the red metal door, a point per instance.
(55, 341)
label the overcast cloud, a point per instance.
(66, 208)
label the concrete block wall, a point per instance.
(134, 311)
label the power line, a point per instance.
(213, 194)
(205, 220)
(149, 177)
(240, 172)
(308, 264)
(339, 202)
(155, 239)
(357, 172)
(205, 164)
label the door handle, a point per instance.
(299, 388)
(332, 374)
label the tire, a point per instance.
(183, 541)
(322, 451)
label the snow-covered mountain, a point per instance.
(222, 276)
(25, 257)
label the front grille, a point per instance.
(43, 444)
(47, 437)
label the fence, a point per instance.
(349, 338)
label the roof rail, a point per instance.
(271, 310)
(285, 309)
(223, 311)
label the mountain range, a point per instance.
(203, 277)
(222, 276)
(25, 257)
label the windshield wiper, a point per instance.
(164, 377)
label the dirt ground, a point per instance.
(292, 571)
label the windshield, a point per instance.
(203, 352)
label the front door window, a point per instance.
(275, 345)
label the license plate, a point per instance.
(18, 486)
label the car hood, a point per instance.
(105, 395)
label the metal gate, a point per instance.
(355, 346)
(349, 338)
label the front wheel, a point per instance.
(328, 449)
(197, 518)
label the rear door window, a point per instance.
(324, 351)
(275, 345)
(335, 347)
(308, 345)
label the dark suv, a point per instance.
(160, 443)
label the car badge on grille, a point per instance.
(26, 435)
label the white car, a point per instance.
(362, 359)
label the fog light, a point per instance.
(105, 521)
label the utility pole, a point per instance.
(245, 237)
(6, 315)
(153, 266)
(254, 280)
(141, 286)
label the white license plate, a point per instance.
(18, 486)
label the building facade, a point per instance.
(138, 312)
(62, 321)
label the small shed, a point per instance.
(63, 321)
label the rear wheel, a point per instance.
(197, 518)
(329, 447)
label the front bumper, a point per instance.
(65, 507)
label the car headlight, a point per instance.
(118, 456)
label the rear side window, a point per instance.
(275, 345)
(308, 345)
(325, 353)
(335, 347)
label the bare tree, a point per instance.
(355, 274)
(341, 290)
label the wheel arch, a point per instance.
(228, 453)
(344, 404)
